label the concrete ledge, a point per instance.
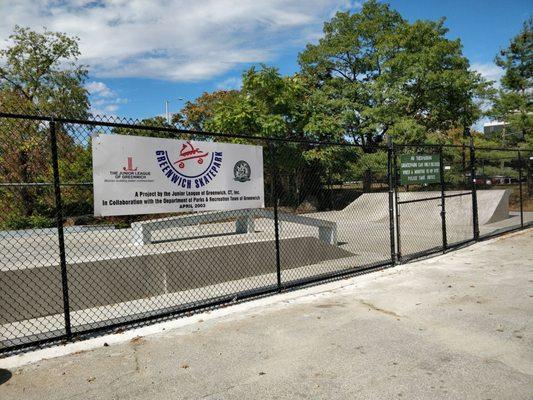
(244, 223)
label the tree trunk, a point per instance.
(25, 193)
(367, 181)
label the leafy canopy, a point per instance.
(374, 73)
(41, 71)
(514, 102)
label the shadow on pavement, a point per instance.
(5, 375)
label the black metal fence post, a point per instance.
(520, 177)
(443, 200)
(529, 174)
(473, 184)
(60, 233)
(397, 207)
(275, 199)
(390, 172)
(463, 156)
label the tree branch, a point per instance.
(343, 74)
(16, 85)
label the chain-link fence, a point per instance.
(331, 210)
(504, 175)
(434, 198)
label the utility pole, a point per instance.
(167, 113)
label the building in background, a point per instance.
(494, 128)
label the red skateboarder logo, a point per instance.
(193, 167)
(189, 152)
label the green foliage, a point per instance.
(195, 115)
(333, 162)
(157, 121)
(41, 71)
(375, 163)
(514, 101)
(380, 74)
(39, 75)
(494, 170)
(268, 105)
(17, 221)
(372, 74)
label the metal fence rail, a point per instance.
(65, 274)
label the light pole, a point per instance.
(167, 114)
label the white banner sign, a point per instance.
(143, 175)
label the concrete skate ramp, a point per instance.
(493, 206)
(374, 206)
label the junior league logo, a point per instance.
(129, 166)
(129, 173)
(190, 167)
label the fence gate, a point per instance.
(433, 199)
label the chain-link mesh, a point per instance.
(418, 205)
(112, 278)
(526, 183)
(457, 188)
(336, 209)
(435, 212)
(498, 181)
(30, 280)
(331, 209)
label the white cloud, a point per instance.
(104, 100)
(489, 71)
(231, 83)
(99, 89)
(174, 40)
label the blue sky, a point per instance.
(141, 53)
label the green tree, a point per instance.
(157, 121)
(275, 106)
(269, 105)
(373, 73)
(39, 74)
(195, 115)
(514, 102)
(384, 75)
(41, 69)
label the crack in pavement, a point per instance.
(381, 310)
